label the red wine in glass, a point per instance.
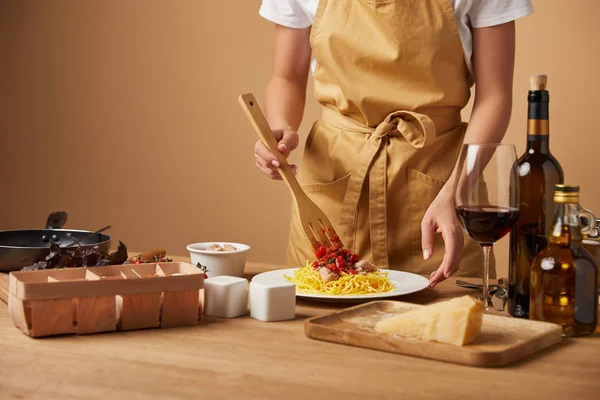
(486, 196)
(487, 224)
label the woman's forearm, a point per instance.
(286, 91)
(489, 119)
(284, 103)
(488, 124)
(493, 65)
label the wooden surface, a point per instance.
(502, 340)
(243, 358)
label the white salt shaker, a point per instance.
(225, 296)
(272, 301)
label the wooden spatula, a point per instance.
(317, 227)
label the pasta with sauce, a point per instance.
(309, 280)
(339, 272)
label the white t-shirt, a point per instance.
(468, 13)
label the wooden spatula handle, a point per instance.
(262, 128)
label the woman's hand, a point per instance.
(266, 162)
(441, 218)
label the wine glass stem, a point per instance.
(487, 248)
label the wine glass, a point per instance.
(487, 196)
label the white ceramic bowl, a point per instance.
(230, 263)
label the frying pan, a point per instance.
(23, 247)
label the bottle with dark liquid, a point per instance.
(539, 171)
(564, 286)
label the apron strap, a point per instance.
(417, 129)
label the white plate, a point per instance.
(404, 283)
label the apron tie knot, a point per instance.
(418, 130)
(384, 129)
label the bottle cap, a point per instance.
(566, 194)
(538, 82)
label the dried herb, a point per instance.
(62, 257)
(120, 256)
(54, 258)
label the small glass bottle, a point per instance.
(564, 288)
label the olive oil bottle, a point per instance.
(564, 286)
(539, 171)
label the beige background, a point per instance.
(125, 113)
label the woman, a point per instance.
(392, 76)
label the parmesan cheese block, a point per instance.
(457, 321)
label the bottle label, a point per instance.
(538, 112)
(538, 127)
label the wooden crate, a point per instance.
(104, 299)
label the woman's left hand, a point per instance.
(441, 218)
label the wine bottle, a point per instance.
(539, 171)
(564, 286)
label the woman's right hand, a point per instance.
(266, 162)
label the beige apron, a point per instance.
(392, 80)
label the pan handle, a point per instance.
(56, 220)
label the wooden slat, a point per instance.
(96, 314)
(140, 311)
(24, 287)
(180, 308)
(19, 314)
(51, 317)
(4, 287)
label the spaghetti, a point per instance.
(308, 280)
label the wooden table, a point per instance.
(243, 358)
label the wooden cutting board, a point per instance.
(503, 340)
